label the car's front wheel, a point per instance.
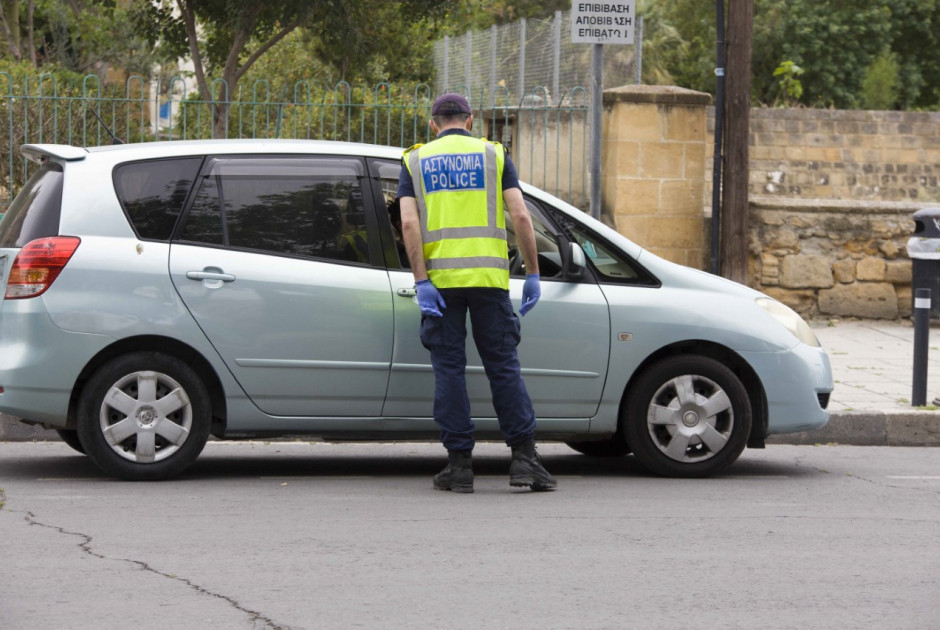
(144, 416)
(687, 416)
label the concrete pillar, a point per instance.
(653, 166)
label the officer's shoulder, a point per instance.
(413, 147)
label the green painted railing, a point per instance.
(548, 142)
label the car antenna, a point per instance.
(114, 138)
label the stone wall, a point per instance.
(831, 198)
(841, 154)
(828, 258)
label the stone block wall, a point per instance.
(653, 168)
(831, 198)
(843, 154)
(827, 258)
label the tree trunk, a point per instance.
(14, 48)
(30, 32)
(734, 212)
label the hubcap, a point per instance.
(146, 417)
(690, 418)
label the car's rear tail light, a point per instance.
(38, 264)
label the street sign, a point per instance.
(603, 22)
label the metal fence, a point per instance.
(531, 52)
(44, 110)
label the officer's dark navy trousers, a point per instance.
(496, 334)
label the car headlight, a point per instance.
(790, 320)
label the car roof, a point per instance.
(144, 150)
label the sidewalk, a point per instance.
(872, 365)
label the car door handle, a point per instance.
(210, 275)
(407, 292)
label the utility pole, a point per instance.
(734, 211)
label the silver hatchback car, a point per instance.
(159, 293)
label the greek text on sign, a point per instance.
(459, 171)
(602, 22)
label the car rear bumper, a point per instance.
(39, 362)
(797, 383)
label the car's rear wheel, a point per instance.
(612, 447)
(687, 416)
(70, 437)
(144, 416)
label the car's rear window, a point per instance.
(36, 210)
(153, 192)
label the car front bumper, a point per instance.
(795, 382)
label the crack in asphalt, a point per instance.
(258, 620)
(800, 461)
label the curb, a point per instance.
(855, 428)
(871, 428)
(12, 430)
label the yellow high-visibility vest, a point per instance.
(458, 188)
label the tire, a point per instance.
(687, 416)
(70, 437)
(144, 416)
(613, 447)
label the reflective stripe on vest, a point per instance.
(484, 246)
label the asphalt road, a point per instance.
(296, 535)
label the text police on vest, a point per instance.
(459, 171)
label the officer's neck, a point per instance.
(449, 131)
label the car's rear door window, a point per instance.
(153, 193)
(295, 206)
(36, 210)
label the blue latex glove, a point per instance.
(531, 292)
(429, 299)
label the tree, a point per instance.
(77, 35)
(227, 37)
(880, 82)
(232, 38)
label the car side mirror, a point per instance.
(573, 263)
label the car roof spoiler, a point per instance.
(43, 152)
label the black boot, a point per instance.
(457, 476)
(526, 468)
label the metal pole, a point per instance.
(719, 131)
(446, 63)
(556, 58)
(597, 106)
(493, 37)
(521, 59)
(921, 345)
(468, 64)
(638, 51)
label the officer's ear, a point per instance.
(434, 129)
(470, 123)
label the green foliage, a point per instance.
(880, 82)
(834, 41)
(915, 39)
(479, 14)
(81, 35)
(58, 106)
(791, 88)
(682, 35)
(383, 114)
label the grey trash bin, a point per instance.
(924, 250)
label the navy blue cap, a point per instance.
(450, 104)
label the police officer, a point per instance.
(452, 192)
